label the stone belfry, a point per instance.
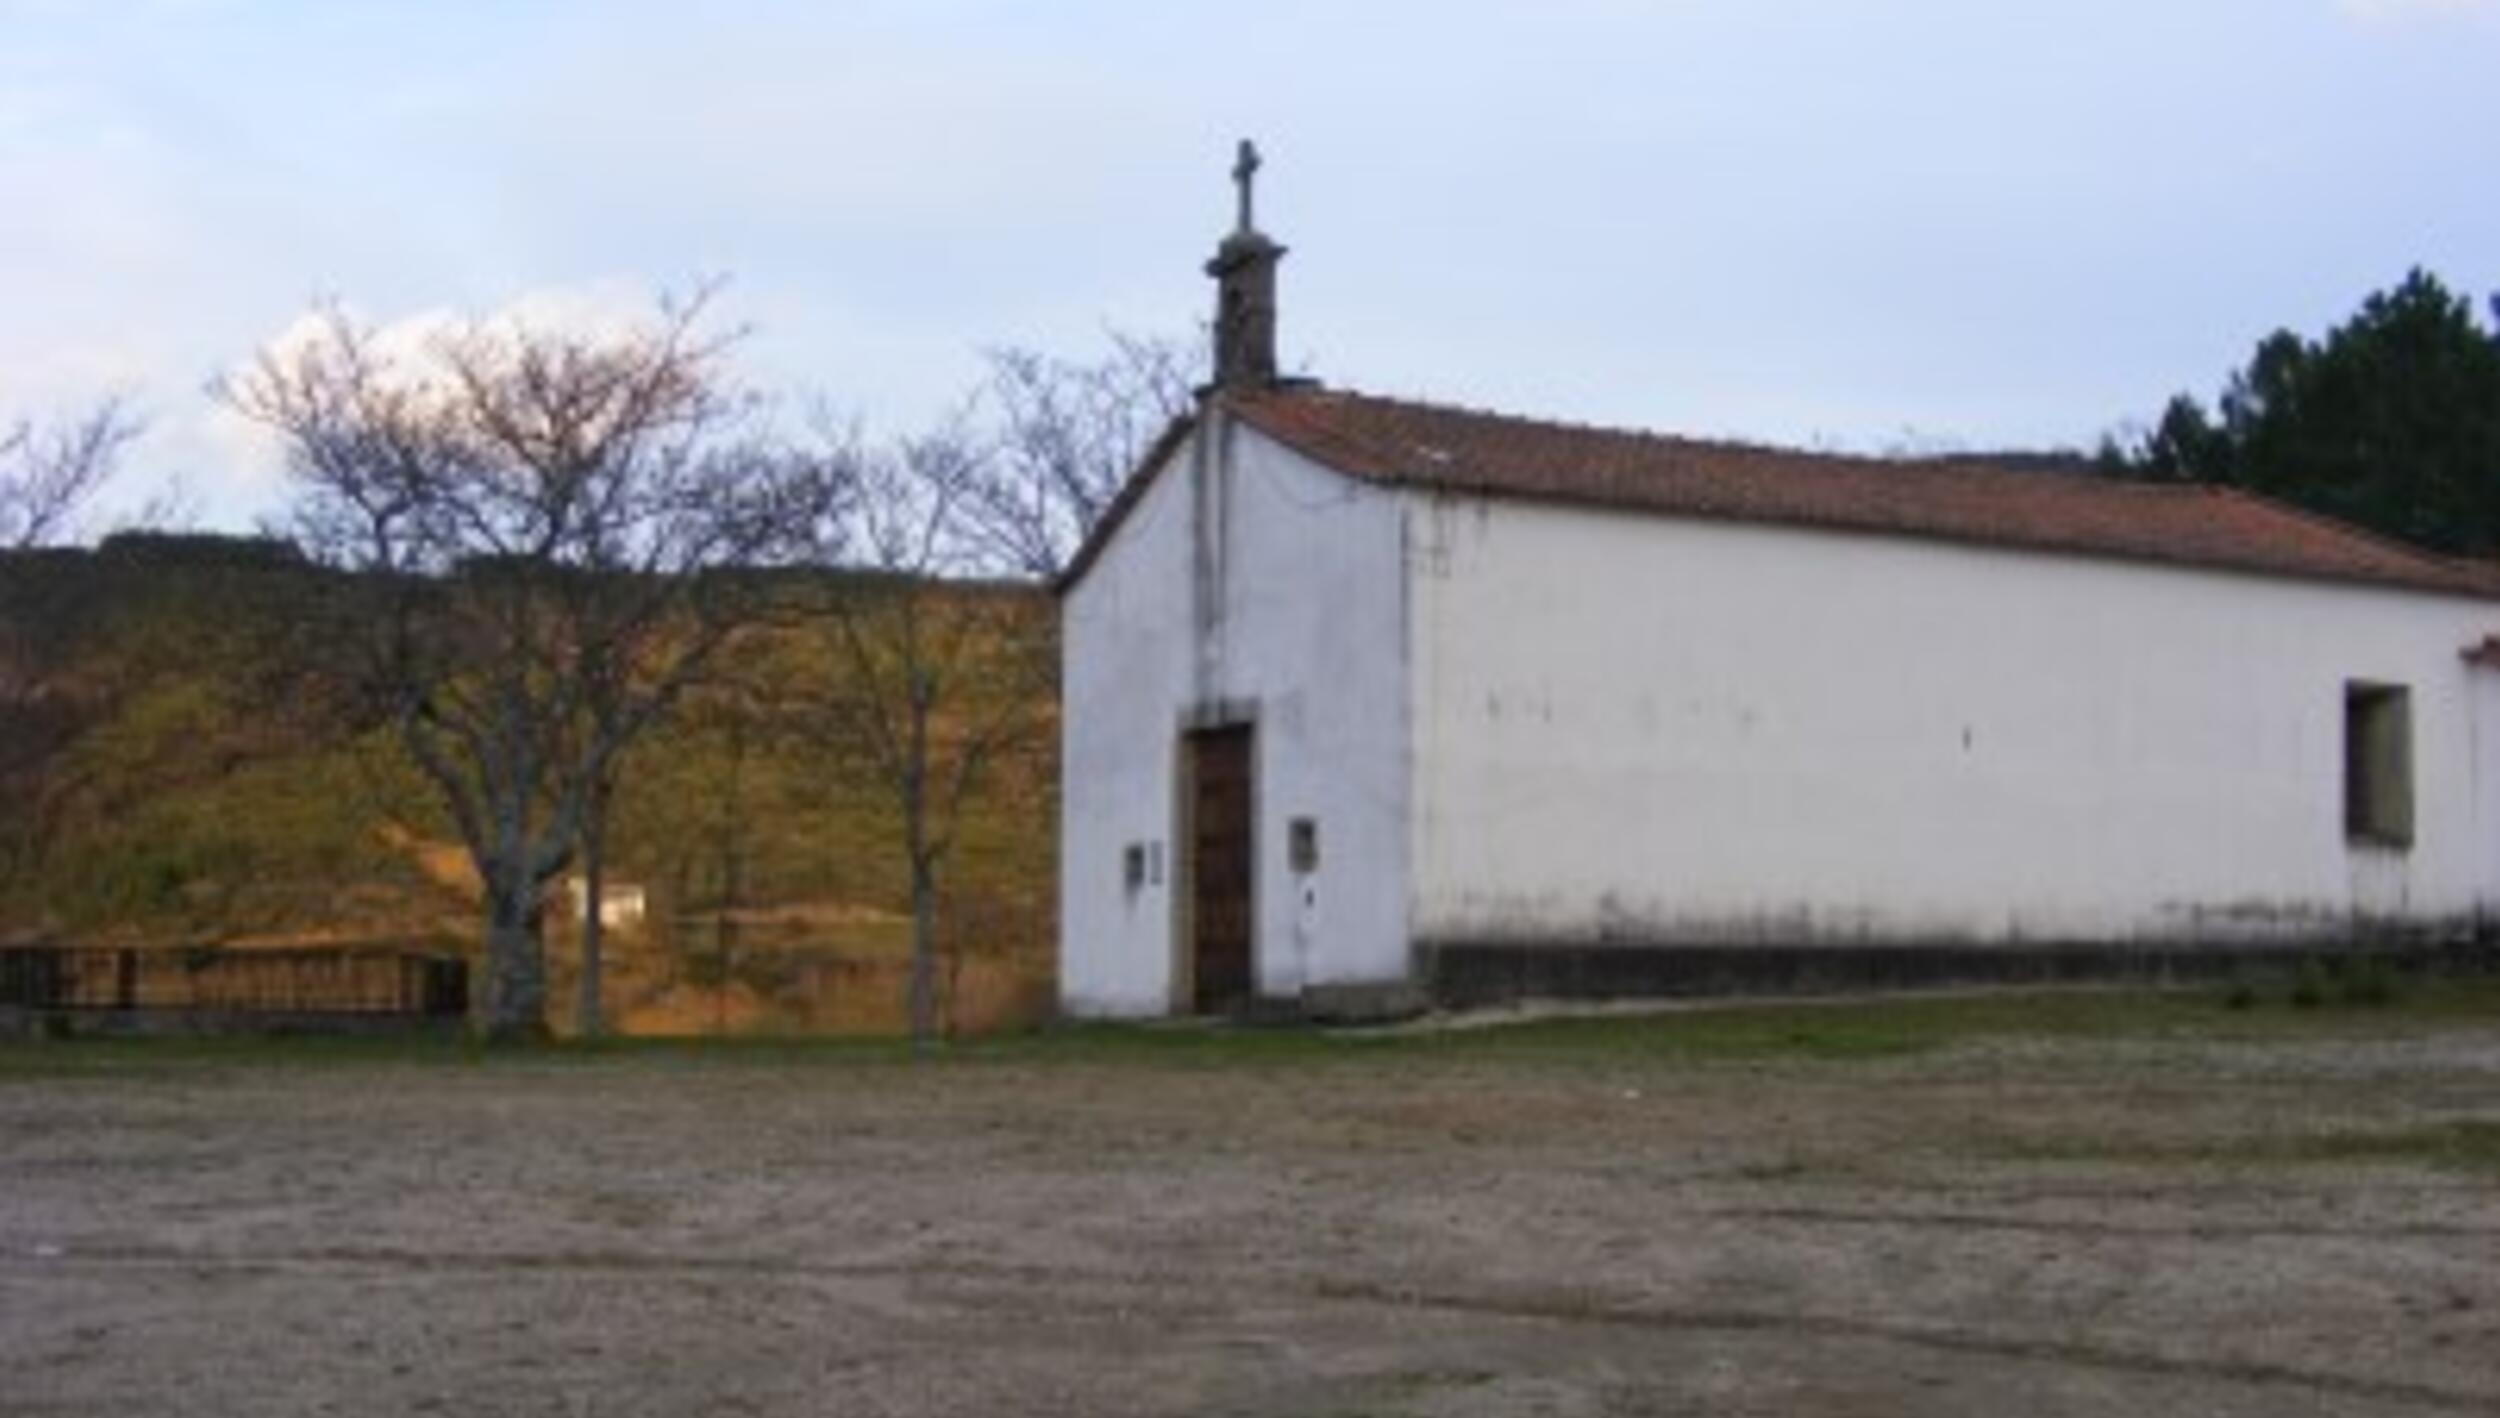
(1244, 269)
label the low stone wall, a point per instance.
(1467, 976)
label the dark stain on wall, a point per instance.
(1461, 975)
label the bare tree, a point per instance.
(48, 601)
(732, 714)
(48, 471)
(544, 531)
(945, 639)
(934, 684)
(1059, 437)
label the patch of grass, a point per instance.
(1786, 1169)
(2464, 1144)
(2369, 982)
(1873, 1030)
(2309, 985)
(1903, 1025)
(1837, 1033)
(52, 1058)
(2366, 980)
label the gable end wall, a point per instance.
(1248, 583)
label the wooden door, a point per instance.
(1219, 876)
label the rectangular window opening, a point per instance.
(2378, 764)
(1302, 844)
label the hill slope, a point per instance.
(200, 798)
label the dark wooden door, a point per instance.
(1219, 874)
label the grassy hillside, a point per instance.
(210, 800)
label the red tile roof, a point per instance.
(1395, 442)
(1435, 447)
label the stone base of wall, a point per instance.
(21, 1023)
(1467, 976)
(1361, 1004)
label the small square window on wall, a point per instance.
(1302, 845)
(2378, 764)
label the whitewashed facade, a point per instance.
(1248, 586)
(1365, 699)
(1528, 724)
(1713, 733)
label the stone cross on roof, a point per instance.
(1245, 169)
(1244, 268)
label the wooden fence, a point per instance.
(312, 980)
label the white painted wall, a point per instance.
(1656, 730)
(1124, 673)
(1305, 636)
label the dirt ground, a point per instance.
(2060, 1223)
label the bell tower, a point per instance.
(1244, 268)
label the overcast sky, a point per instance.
(1963, 222)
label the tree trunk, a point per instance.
(725, 930)
(951, 993)
(516, 965)
(732, 884)
(923, 866)
(586, 1015)
(923, 952)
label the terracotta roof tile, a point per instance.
(1463, 450)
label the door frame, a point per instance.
(1217, 717)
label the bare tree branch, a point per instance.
(47, 471)
(946, 643)
(1059, 439)
(931, 663)
(548, 534)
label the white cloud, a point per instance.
(412, 345)
(596, 310)
(248, 459)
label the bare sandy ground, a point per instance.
(2076, 1227)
